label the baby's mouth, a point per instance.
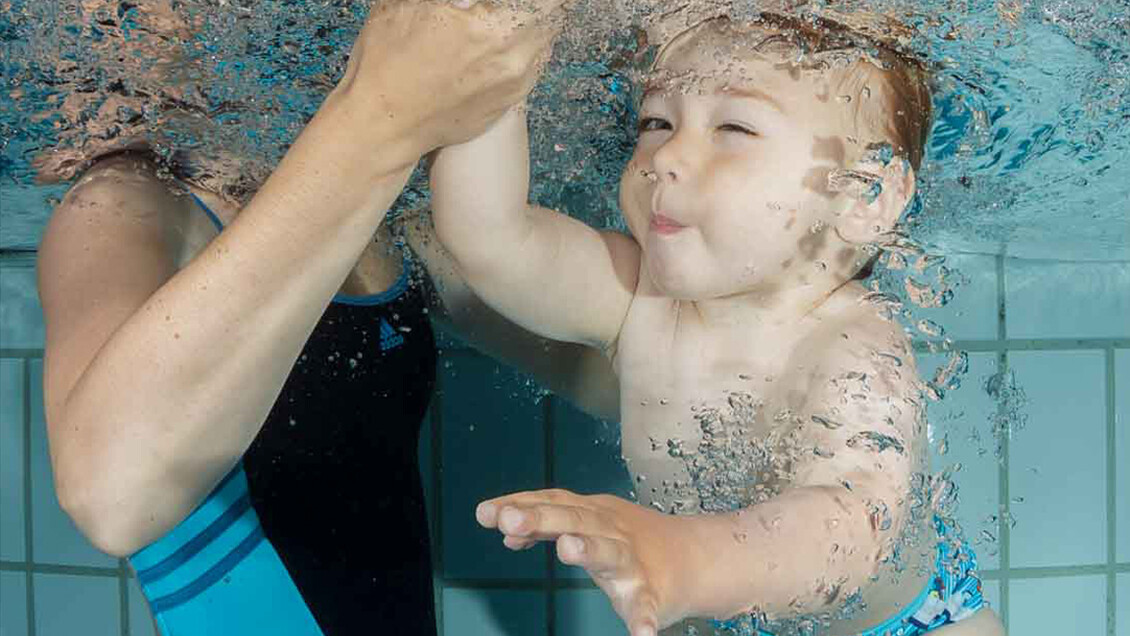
(664, 225)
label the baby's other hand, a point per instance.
(630, 552)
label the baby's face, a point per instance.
(727, 191)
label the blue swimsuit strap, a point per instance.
(371, 300)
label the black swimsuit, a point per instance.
(333, 485)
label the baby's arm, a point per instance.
(541, 269)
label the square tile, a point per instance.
(55, 538)
(1050, 607)
(493, 613)
(140, 619)
(962, 441)
(1122, 604)
(972, 313)
(1067, 300)
(12, 460)
(586, 613)
(66, 605)
(1057, 461)
(586, 455)
(26, 211)
(1122, 453)
(21, 318)
(991, 590)
(13, 598)
(493, 444)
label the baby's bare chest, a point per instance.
(688, 404)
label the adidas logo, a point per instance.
(390, 338)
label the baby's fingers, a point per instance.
(642, 615)
(518, 543)
(599, 556)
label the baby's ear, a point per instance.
(875, 209)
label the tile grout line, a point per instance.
(1024, 344)
(29, 552)
(1111, 495)
(437, 503)
(549, 430)
(123, 591)
(1004, 512)
(53, 568)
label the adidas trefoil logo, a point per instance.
(390, 338)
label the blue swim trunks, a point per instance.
(217, 574)
(953, 594)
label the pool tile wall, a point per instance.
(1065, 336)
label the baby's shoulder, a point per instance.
(853, 338)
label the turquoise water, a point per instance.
(1029, 153)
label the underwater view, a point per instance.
(565, 382)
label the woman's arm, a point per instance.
(157, 380)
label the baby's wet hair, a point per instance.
(871, 54)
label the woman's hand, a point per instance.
(631, 552)
(441, 75)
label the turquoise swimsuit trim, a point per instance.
(372, 300)
(953, 594)
(216, 573)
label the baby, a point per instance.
(764, 401)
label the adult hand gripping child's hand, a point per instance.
(631, 552)
(441, 71)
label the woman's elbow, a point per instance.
(100, 516)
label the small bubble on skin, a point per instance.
(826, 423)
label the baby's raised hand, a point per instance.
(631, 552)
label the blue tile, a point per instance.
(1122, 604)
(66, 605)
(140, 620)
(992, 593)
(26, 210)
(1122, 453)
(972, 313)
(12, 460)
(587, 453)
(1056, 461)
(960, 426)
(55, 539)
(586, 613)
(493, 613)
(586, 460)
(21, 319)
(1067, 300)
(493, 444)
(1057, 606)
(13, 598)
